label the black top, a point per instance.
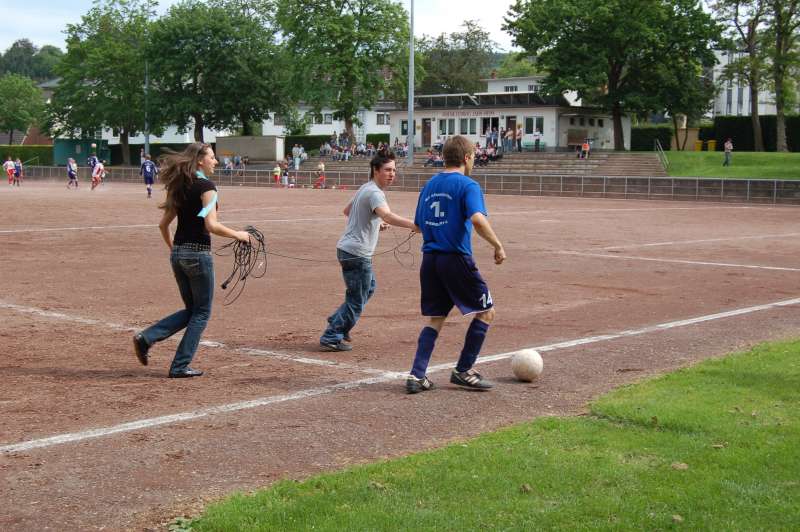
(191, 227)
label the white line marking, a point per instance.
(679, 261)
(300, 359)
(589, 211)
(150, 226)
(702, 241)
(382, 378)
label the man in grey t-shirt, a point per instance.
(367, 214)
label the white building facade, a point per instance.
(558, 121)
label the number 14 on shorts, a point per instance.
(486, 299)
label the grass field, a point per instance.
(709, 447)
(744, 165)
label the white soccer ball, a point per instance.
(94, 145)
(527, 365)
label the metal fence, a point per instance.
(671, 188)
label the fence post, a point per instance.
(696, 189)
(649, 185)
(672, 189)
(748, 191)
(722, 190)
(775, 191)
(626, 188)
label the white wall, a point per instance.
(170, 136)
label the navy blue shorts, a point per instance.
(448, 279)
(148, 180)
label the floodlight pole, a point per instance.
(411, 129)
(146, 122)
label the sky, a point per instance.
(43, 21)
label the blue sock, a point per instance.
(427, 339)
(472, 344)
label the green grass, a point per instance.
(744, 165)
(712, 447)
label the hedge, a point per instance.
(310, 142)
(643, 138)
(377, 138)
(26, 153)
(155, 151)
(740, 130)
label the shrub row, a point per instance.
(740, 130)
(26, 153)
(643, 138)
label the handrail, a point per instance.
(25, 163)
(661, 155)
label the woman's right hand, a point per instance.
(242, 236)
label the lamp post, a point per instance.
(411, 128)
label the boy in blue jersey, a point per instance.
(148, 171)
(449, 206)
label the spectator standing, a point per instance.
(519, 137)
(728, 147)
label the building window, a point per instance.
(739, 100)
(447, 126)
(278, 120)
(591, 122)
(599, 122)
(728, 101)
(534, 88)
(464, 129)
(582, 121)
(328, 119)
(510, 88)
(473, 126)
(404, 127)
(572, 120)
(383, 119)
(533, 124)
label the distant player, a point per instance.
(148, 171)
(98, 173)
(9, 168)
(449, 206)
(72, 173)
(17, 172)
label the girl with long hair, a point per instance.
(192, 198)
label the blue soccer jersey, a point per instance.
(148, 169)
(445, 206)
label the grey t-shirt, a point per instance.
(361, 234)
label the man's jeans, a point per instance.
(360, 283)
(194, 273)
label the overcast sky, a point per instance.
(43, 21)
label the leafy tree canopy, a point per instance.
(23, 104)
(25, 59)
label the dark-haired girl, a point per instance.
(192, 198)
(367, 214)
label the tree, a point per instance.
(23, 104)
(456, 62)
(25, 59)
(516, 65)
(343, 52)
(746, 20)
(102, 73)
(18, 59)
(217, 65)
(583, 47)
(784, 24)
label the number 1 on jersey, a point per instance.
(437, 213)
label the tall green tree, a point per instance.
(102, 73)
(515, 65)
(746, 21)
(25, 59)
(217, 65)
(344, 52)
(583, 46)
(784, 24)
(22, 104)
(456, 62)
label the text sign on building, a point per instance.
(445, 114)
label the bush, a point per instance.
(740, 130)
(311, 143)
(643, 138)
(26, 153)
(377, 138)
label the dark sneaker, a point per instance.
(470, 379)
(335, 346)
(415, 385)
(141, 348)
(186, 373)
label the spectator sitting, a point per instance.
(430, 160)
(438, 162)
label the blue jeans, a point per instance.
(360, 283)
(194, 273)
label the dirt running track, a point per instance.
(90, 439)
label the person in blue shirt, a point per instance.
(17, 172)
(449, 206)
(148, 171)
(92, 161)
